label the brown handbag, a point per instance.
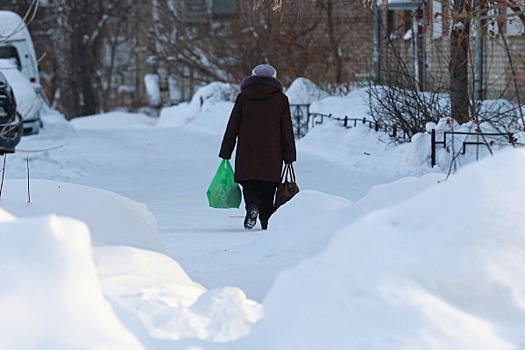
(287, 188)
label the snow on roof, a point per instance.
(12, 27)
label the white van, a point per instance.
(16, 44)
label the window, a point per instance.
(400, 23)
(221, 8)
(9, 52)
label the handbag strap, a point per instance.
(288, 173)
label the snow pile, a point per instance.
(50, 293)
(429, 273)
(217, 99)
(114, 120)
(500, 112)
(353, 105)
(304, 91)
(206, 98)
(111, 218)
(153, 291)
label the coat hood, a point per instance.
(260, 88)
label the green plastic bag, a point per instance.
(224, 192)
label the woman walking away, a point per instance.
(261, 125)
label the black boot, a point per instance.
(251, 217)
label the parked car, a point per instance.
(10, 119)
(16, 44)
(28, 103)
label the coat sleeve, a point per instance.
(287, 135)
(232, 130)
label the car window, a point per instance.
(10, 52)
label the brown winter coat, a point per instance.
(261, 124)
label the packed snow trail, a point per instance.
(169, 169)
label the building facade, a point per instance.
(496, 46)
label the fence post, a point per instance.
(433, 148)
(394, 131)
(345, 123)
(307, 117)
(297, 115)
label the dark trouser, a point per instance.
(260, 194)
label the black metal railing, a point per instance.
(304, 120)
(495, 138)
(300, 118)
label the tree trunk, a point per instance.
(86, 73)
(458, 69)
(69, 99)
(334, 42)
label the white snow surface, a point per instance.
(111, 243)
(304, 91)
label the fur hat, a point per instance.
(264, 70)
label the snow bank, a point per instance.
(51, 297)
(155, 296)
(112, 120)
(353, 105)
(206, 98)
(432, 272)
(304, 91)
(111, 218)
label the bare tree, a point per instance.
(300, 38)
(62, 42)
(459, 48)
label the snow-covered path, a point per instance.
(169, 169)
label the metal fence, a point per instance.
(495, 138)
(303, 121)
(300, 119)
